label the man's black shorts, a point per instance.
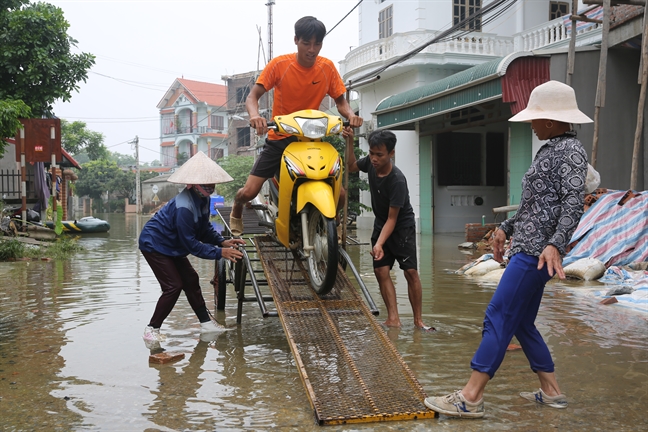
(269, 161)
(400, 246)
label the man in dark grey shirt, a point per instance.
(394, 235)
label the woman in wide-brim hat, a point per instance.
(181, 228)
(549, 211)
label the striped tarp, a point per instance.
(612, 233)
(581, 26)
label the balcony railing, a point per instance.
(401, 43)
(193, 130)
(551, 33)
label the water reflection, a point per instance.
(72, 358)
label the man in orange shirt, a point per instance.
(300, 81)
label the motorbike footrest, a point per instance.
(258, 207)
(266, 224)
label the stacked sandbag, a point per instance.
(586, 269)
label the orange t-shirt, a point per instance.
(298, 88)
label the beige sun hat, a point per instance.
(552, 100)
(200, 170)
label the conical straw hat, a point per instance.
(200, 170)
(552, 100)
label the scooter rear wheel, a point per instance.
(323, 259)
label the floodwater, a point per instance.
(72, 356)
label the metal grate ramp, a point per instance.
(350, 369)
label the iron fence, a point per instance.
(10, 191)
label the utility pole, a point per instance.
(270, 4)
(270, 94)
(137, 177)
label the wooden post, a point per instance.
(571, 54)
(345, 184)
(23, 180)
(642, 103)
(600, 88)
(54, 208)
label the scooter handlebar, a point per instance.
(273, 125)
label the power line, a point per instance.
(345, 16)
(458, 30)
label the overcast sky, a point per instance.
(141, 46)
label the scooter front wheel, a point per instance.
(323, 258)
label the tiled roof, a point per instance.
(212, 94)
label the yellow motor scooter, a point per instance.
(304, 194)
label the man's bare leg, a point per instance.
(250, 190)
(388, 293)
(415, 292)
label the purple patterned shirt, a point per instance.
(552, 198)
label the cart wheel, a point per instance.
(220, 284)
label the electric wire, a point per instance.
(458, 30)
(343, 18)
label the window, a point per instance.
(168, 156)
(183, 122)
(558, 9)
(460, 155)
(217, 122)
(385, 25)
(243, 137)
(462, 9)
(216, 153)
(242, 94)
(168, 124)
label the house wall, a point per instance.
(618, 118)
(165, 192)
(236, 108)
(437, 15)
(8, 160)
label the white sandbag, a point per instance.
(493, 276)
(473, 263)
(586, 269)
(482, 268)
(592, 180)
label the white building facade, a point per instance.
(193, 117)
(449, 101)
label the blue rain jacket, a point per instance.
(182, 227)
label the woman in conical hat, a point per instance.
(181, 228)
(549, 211)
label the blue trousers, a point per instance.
(512, 312)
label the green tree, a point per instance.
(10, 112)
(239, 168)
(122, 160)
(37, 66)
(76, 138)
(96, 178)
(182, 158)
(356, 184)
(124, 184)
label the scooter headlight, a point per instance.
(313, 128)
(293, 169)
